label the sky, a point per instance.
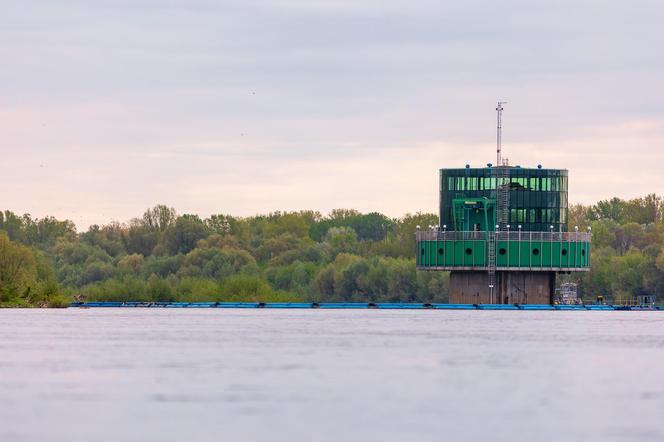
(246, 107)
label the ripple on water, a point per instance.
(120, 374)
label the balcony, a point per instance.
(515, 251)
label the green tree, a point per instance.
(159, 218)
(139, 238)
(26, 279)
(217, 263)
(162, 265)
(613, 209)
(182, 236)
(18, 272)
(131, 264)
(402, 280)
(342, 240)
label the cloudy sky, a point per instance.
(245, 107)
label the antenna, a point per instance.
(499, 140)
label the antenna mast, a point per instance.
(499, 140)
(501, 174)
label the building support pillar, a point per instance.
(468, 287)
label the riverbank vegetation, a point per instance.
(26, 277)
(287, 256)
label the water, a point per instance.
(343, 375)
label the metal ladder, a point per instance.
(503, 196)
(492, 264)
(502, 174)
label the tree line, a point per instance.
(627, 256)
(287, 256)
(282, 256)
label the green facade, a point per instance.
(535, 237)
(537, 197)
(526, 254)
(474, 214)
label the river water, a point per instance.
(330, 375)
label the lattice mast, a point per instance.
(502, 175)
(502, 180)
(499, 140)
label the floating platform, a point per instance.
(497, 307)
(455, 306)
(536, 307)
(367, 305)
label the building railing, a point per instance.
(439, 235)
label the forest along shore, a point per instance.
(345, 256)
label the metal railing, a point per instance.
(439, 235)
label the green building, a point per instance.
(503, 234)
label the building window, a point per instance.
(472, 183)
(521, 215)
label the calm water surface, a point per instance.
(322, 375)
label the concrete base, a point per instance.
(511, 288)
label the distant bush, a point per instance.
(59, 301)
(198, 290)
(247, 288)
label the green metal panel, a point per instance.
(449, 253)
(501, 258)
(480, 253)
(458, 253)
(513, 253)
(524, 258)
(584, 254)
(468, 254)
(545, 254)
(555, 254)
(536, 253)
(564, 254)
(518, 254)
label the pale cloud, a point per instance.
(246, 107)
